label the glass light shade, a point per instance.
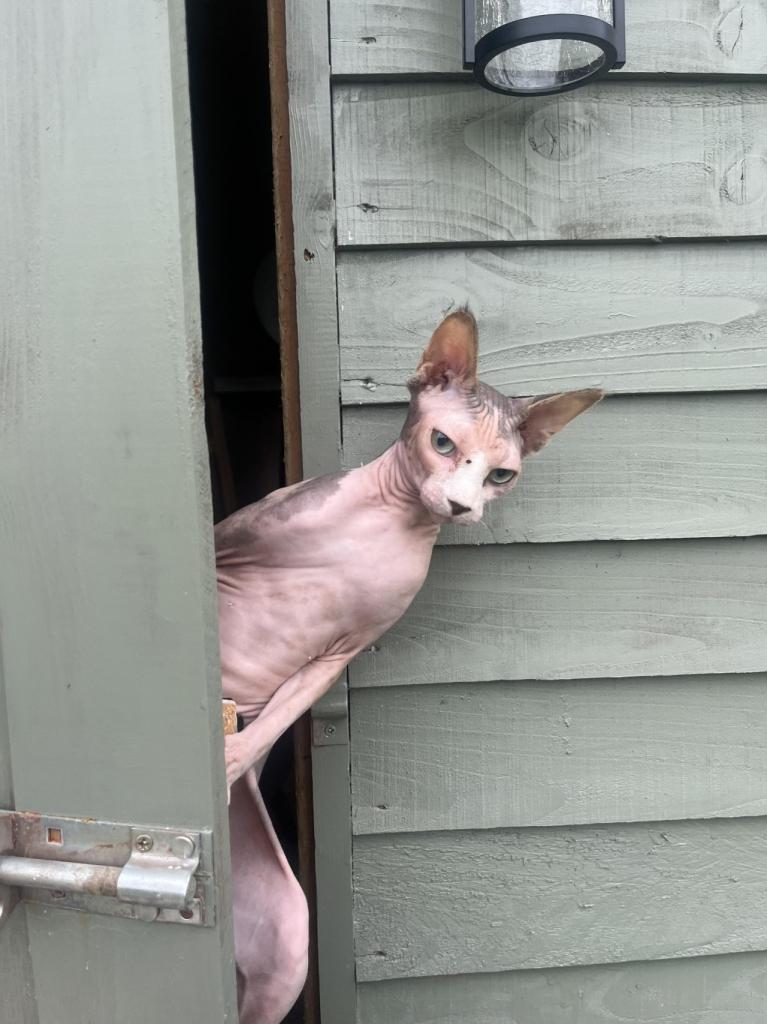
(545, 65)
(542, 46)
(492, 14)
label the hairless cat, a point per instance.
(316, 572)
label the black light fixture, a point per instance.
(537, 47)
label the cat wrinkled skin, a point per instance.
(316, 572)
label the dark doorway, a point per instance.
(231, 131)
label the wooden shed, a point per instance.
(555, 776)
(542, 797)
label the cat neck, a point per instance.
(394, 485)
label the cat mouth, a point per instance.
(447, 519)
(465, 518)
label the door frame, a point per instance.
(300, 86)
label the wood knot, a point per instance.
(555, 137)
(745, 181)
(729, 31)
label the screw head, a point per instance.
(329, 730)
(144, 843)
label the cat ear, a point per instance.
(545, 416)
(451, 353)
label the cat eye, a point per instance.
(441, 443)
(502, 476)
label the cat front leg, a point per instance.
(295, 696)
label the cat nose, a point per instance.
(458, 509)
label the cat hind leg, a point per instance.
(271, 920)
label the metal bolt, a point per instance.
(148, 914)
(144, 843)
(183, 846)
(329, 730)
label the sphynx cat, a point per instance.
(316, 572)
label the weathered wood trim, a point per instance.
(663, 37)
(629, 318)
(636, 467)
(706, 990)
(290, 389)
(313, 211)
(498, 755)
(579, 611)
(290, 395)
(437, 903)
(452, 163)
(314, 233)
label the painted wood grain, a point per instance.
(496, 755)
(579, 611)
(425, 163)
(439, 903)
(17, 1001)
(107, 589)
(702, 37)
(728, 989)
(17, 997)
(634, 467)
(638, 318)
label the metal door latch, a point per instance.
(102, 867)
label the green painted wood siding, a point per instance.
(568, 611)
(702, 37)
(460, 902)
(638, 466)
(559, 805)
(583, 751)
(628, 318)
(704, 990)
(433, 163)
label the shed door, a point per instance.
(109, 686)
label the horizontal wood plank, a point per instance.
(634, 467)
(426, 162)
(496, 755)
(701, 37)
(702, 990)
(437, 903)
(629, 318)
(579, 611)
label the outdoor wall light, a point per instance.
(536, 47)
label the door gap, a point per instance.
(231, 132)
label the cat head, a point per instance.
(466, 440)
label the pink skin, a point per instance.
(314, 573)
